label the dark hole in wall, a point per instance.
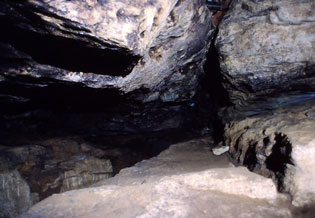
(250, 159)
(66, 53)
(279, 158)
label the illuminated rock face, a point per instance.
(267, 48)
(158, 46)
(136, 64)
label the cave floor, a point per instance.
(185, 180)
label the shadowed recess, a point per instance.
(280, 157)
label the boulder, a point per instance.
(15, 194)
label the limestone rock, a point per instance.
(185, 180)
(84, 171)
(15, 194)
(267, 47)
(279, 144)
(158, 46)
(221, 149)
(123, 66)
(57, 165)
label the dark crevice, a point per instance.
(250, 159)
(213, 91)
(279, 158)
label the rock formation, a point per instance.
(88, 88)
(15, 195)
(267, 48)
(158, 46)
(268, 64)
(135, 65)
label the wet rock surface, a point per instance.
(183, 181)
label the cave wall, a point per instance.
(137, 65)
(267, 48)
(267, 59)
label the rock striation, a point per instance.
(158, 46)
(15, 194)
(267, 48)
(100, 66)
(114, 71)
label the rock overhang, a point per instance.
(122, 45)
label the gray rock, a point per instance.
(15, 195)
(268, 63)
(267, 47)
(84, 172)
(55, 166)
(159, 46)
